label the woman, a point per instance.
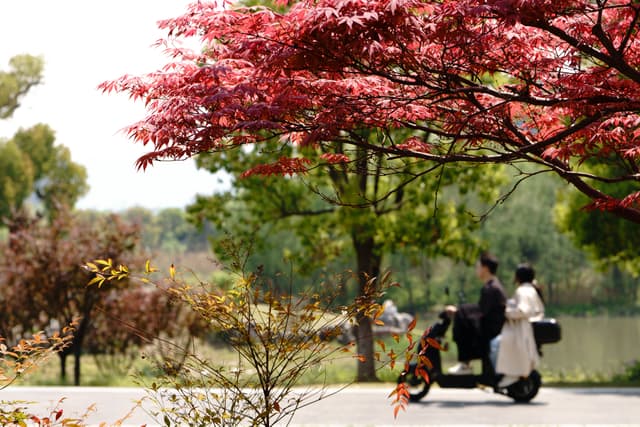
(517, 352)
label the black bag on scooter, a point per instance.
(546, 331)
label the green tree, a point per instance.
(144, 219)
(16, 178)
(522, 229)
(175, 230)
(354, 209)
(32, 165)
(611, 243)
(25, 71)
(168, 230)
(57, 178)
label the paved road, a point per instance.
(369, 406)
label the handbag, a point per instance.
(546, 331)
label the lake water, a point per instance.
(590, 347)
(599, 344)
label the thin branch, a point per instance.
(614, 61)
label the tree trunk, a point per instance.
(78, 340)
(76, 365)
(369, 259)
(62, 355)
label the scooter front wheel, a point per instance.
(526, 389)
(416, 385)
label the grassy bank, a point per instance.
(110, 371)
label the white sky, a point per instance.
(85, 42)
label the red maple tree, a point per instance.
(43, 284)
(554, 83)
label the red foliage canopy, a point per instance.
(551, 82)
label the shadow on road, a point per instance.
(472, 403)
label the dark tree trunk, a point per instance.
(63, 366)
(77, 352)
(76, 365)
(369, 259)
(90, 298)
(78, 340)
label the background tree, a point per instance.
(610, 242)
(56, 178)
(25, 71)
(43, 285)
(16, 178)
(142, 320)
(480, 81)
(32, 165)
(523, 229)
(344, 213)
(168, 230)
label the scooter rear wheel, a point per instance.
(525, 389)
(417, 386)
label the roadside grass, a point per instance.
(339, 369)
(584, 378)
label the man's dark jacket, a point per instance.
(476, 324)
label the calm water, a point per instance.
(598, 344)
(590, 346)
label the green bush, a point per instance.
(631, 374)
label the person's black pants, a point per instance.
(467, 333)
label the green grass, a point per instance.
(338, 371)
(48, 374)
(341, 369)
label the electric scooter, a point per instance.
(546, 331)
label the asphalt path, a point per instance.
(370, 406)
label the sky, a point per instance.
(83, 43)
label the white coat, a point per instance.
(517, 354)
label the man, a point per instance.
(474, 325)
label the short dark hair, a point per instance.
(489, 261)
(525, 273)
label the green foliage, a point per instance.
(37, 143)
(56, 179)
(222, 279)
(522, 229)
(168, 230)
(64, 184)
(16, 178)
(352, 212)
(317, 220)
(25, 71)
(608, 239)
(31, 165)
(631, 373)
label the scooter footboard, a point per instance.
(458, 381)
